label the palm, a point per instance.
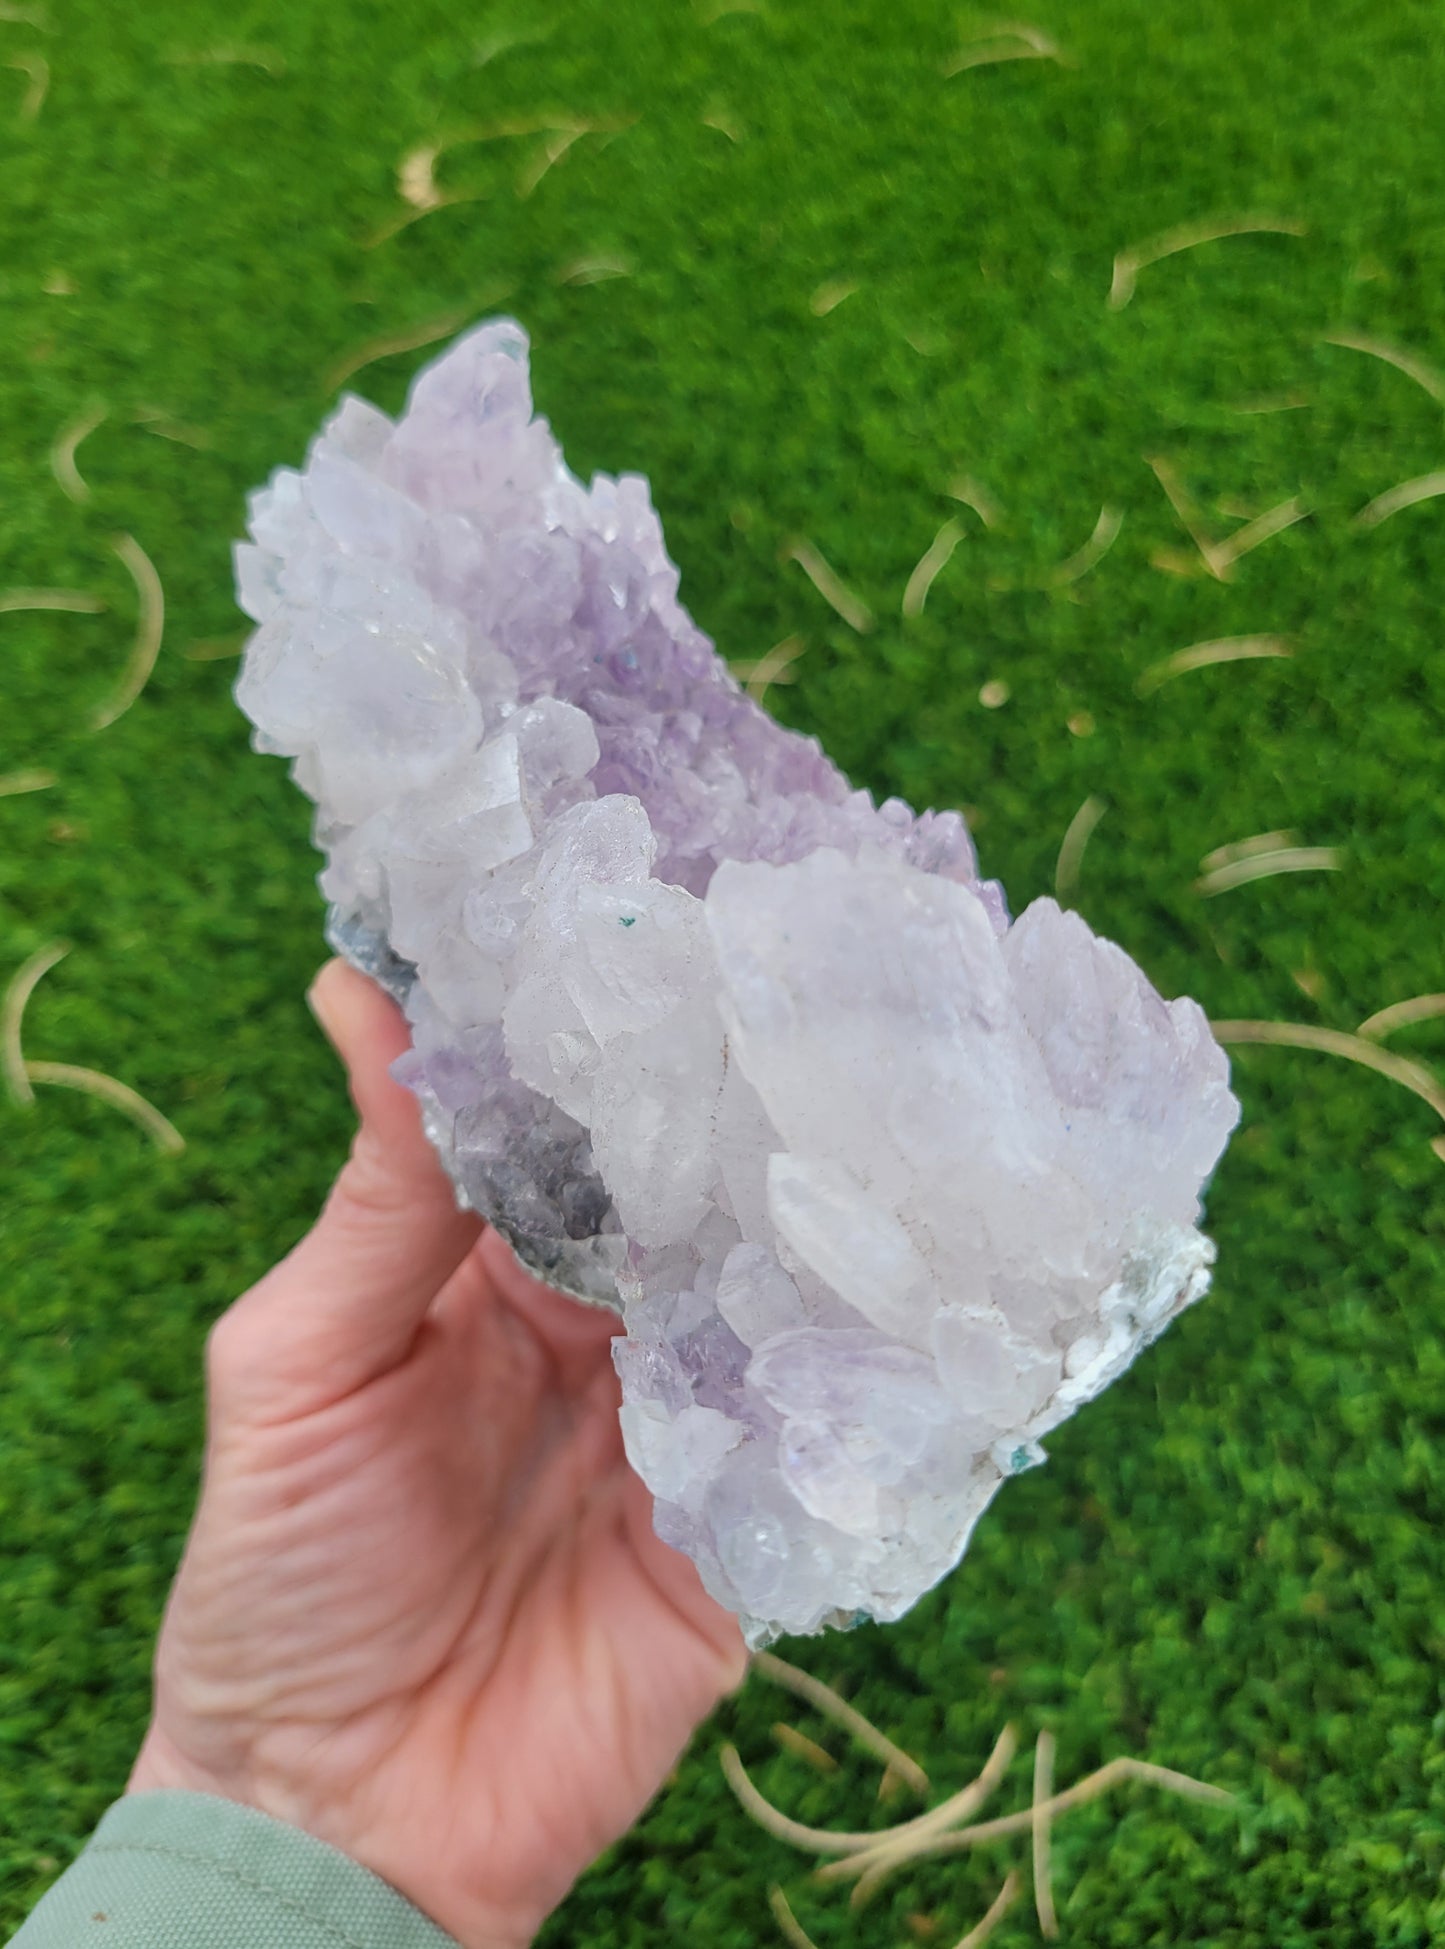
(425, 1617)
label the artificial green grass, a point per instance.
(1232, 1563)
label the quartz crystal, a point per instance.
(883, 1184)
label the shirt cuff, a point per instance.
(168, 1870)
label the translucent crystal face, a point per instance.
(883, 1184)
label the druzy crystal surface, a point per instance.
(883, 1184)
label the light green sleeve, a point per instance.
(186, 1871)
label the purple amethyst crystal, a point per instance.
(883, 1185)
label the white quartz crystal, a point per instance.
(883, 1185)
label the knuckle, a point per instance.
(230, 1349)
(366, 1192)
(221, 1348)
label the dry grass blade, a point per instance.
(513, 126)
(594, 270)
(416, 172)
(1174, 561)
(1412, 1076)
(267, 59)
(1264, 866)
(1023, 30)
(824, 1699)
(12, 1014)
(392, 343)
(1008, 40)
(1200, 656)
(1251, 848)
(150, 626)
(1042, 1833)
(38, 69)
(1402, 1015)
(504, 39)
(986, 54)
(793, 1932)
(997, 1909)
(930, 565)
(828, 297)
(551, 151)
(1425, 487)
(875, 1851)
(1237, 506)
(1071, 851)
(92, 1082)
(1106, 533)
(1246, 539)
(775, 666)
(67, 445)
(415, 182)
(927, 344)
(1409, 363)
(13, 783)
(890, 1850)
(813, 1840)
(1437, 1144)
(394, 226)
(963, 487)
(214, 649)
(1184, 507)
(725, 124)
(801, 1747)
(18, 16)
(830, 586)
(76, 601)
(1188, 236)
(1007, 1826)
(155, 421)
(1287, 402)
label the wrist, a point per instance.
(160, 1766)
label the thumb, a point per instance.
(344, 1306)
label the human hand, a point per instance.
(422, 1612)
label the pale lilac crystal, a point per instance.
(883, 1185)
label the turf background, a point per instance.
(1232, 1563)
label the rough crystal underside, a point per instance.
(883, 1185)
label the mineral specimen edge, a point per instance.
(883, 1184)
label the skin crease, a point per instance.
(422, 1613)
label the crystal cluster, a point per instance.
(883, 1184)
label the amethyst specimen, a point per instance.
(883, 1185)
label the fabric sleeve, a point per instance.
(168, 1870)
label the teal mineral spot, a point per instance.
(627, 920)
